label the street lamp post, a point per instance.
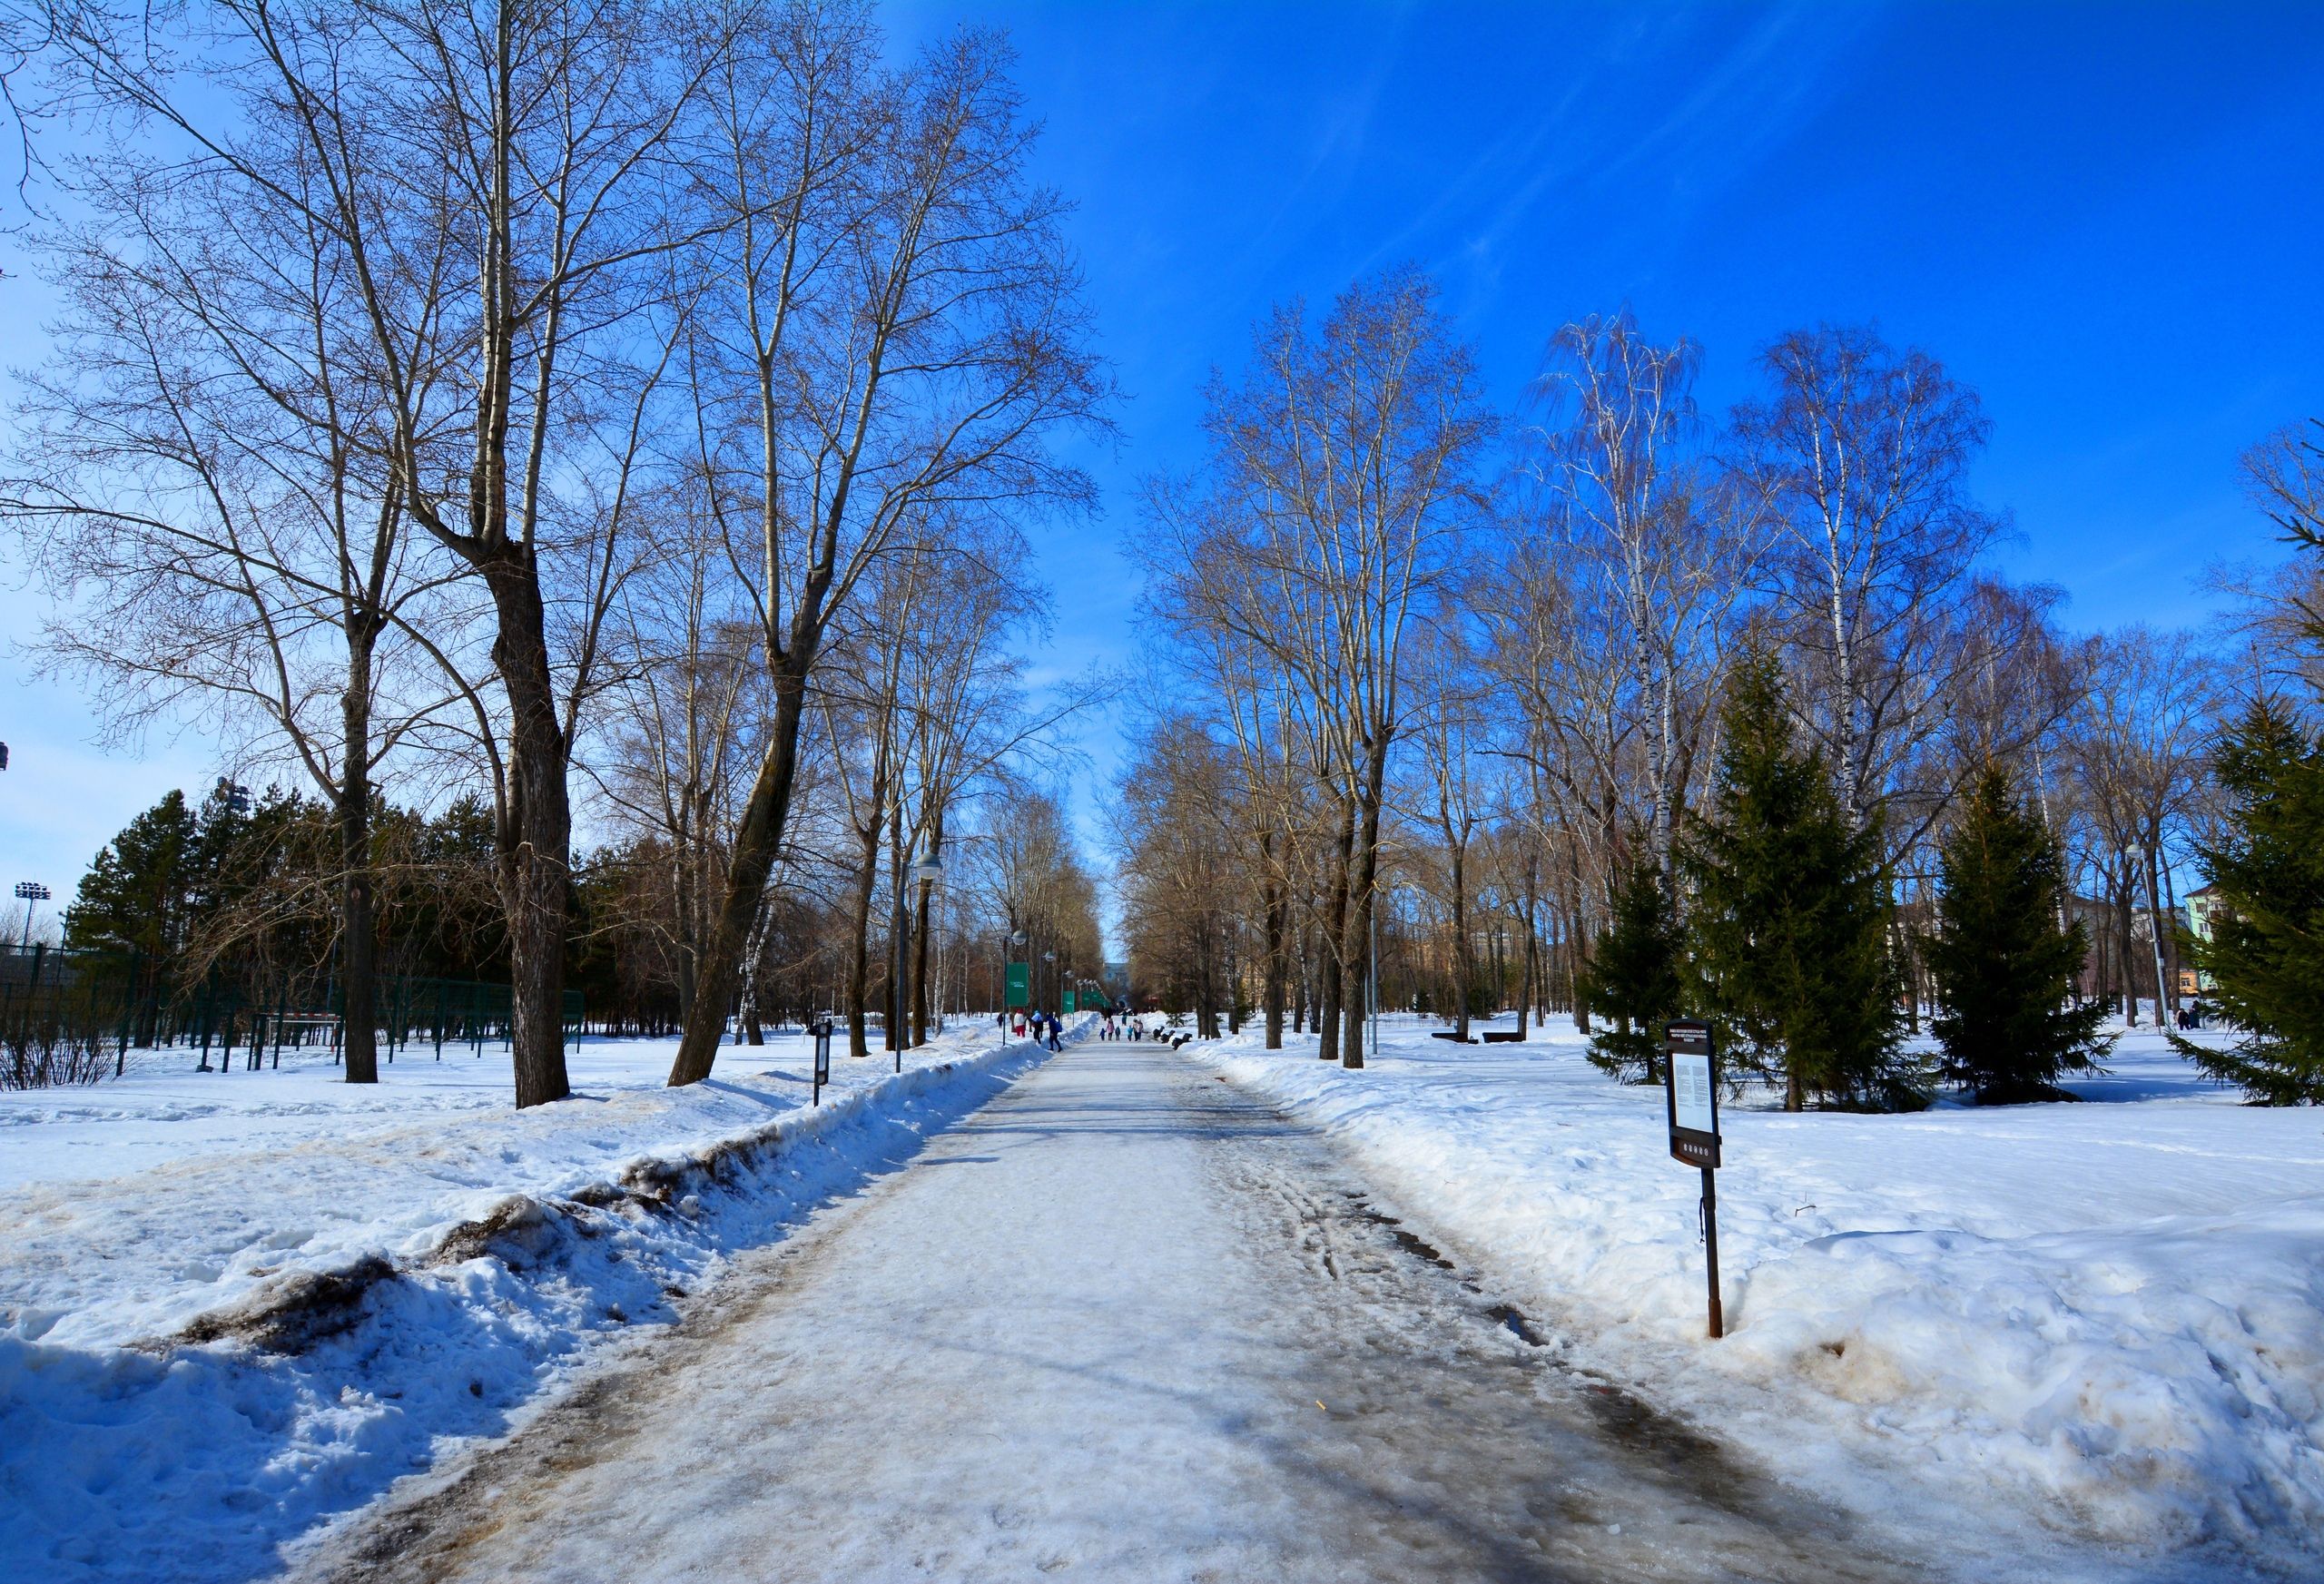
(927, 873)
(1051, 958)
(896, 937)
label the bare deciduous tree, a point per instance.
(1341, 476)
(943, 346)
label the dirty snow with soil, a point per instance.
(2109, 1314)
(232, 1303)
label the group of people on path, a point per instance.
(1045, 1028)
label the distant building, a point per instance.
(2203, 907)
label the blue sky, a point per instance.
(2106, 218)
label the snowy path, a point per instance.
(1124, 1323)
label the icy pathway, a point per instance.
(1123, 1324)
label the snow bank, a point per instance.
(2111, 1313)
(291, 1290)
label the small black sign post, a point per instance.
(823, 1033)
(1692, 1096)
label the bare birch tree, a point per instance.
(1861, 458)
(1656, 551)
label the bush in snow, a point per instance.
(2266, 954)
(1633, 976)
(2004, 966)
(1791, 914)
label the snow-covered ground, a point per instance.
(2111, 1313)
(232, 1303)
(1120, 1326)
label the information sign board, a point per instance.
(1020, 977)
(1692, 1094)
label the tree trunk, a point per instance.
(1302, 984)
(1355, 935)
(859, 960)
(1463, 970)
(358, 1012)
(537, 833)
(1276, 946)
(1332, 1015)
(1524, 976)
(1327, 1006)
(757, 838)
(685, 880)
(753, 962)
(1205, 989)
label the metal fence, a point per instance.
(72, 1017)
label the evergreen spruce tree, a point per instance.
(141, 891)
(1791, 914)
(2004, 968)
(1633, 976)
(2266, 954)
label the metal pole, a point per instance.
(1710, 1251)
(2154, 932)
(896, 932)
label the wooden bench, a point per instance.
(1450, 1034)
(1504, 1036)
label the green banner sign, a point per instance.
(1068, 1000)
(1018, 996)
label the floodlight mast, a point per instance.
(29, 892)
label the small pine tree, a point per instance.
(1791, 914)
(2266, 953)
(1633, 976)
(2004, 968)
